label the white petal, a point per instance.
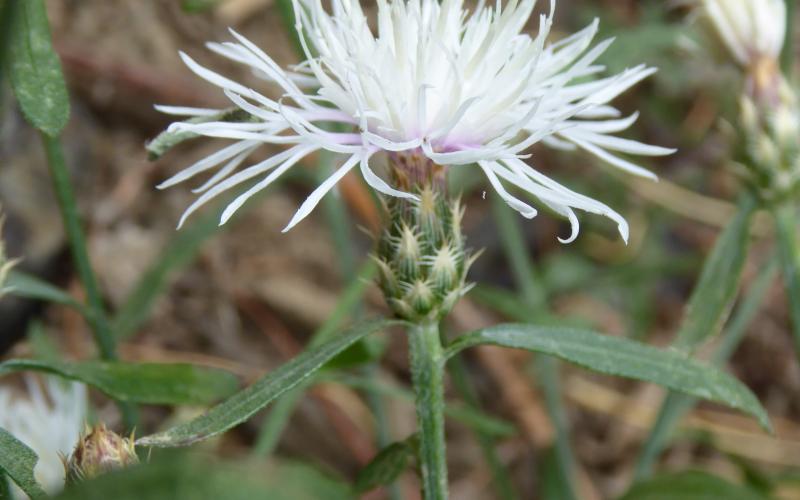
(315, 197)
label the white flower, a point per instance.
(456, 87)
(48, 418)
(750, 29)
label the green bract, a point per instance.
(770, 126)
(421, 256)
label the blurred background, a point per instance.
(246, 297)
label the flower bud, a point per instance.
(98, 451)
(769, 143)
(750, 30)
(421, 256)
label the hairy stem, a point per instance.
(427, 373)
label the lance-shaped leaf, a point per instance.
(17, 462)
(716, 291)
(34, 67)
(248, 402)
(675, 406)
(31, 287)
(621, 357)
(148, 383)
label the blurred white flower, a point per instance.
(453, 87)
(48, 418)
(752, 30)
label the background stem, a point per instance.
(427, 374)
(77, 243)
(98, 321)
(787, 56)
(786, 227)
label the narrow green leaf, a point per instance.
(180, 251)
(148, 383)
(387, 465)
(167, 140)
(621, 357)
(676, 405)
(690, 485)
(715, 292)
(34, 68)
(31, 287)
(17, 461)
(277, 419)
(248, 402)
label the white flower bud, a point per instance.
(751, 30)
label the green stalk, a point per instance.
(787, 56)
(427, 375)
(516, 252)
(77, 242)
(338, 220)
(500, 477)
(535, 298)
(786, 227)
(383, 437)
(98, 321)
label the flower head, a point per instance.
(751, 30)
(48, 418)
(451, 87)
(767, 144)
(99, 451)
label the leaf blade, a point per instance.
(30, 287)
(718, 286)
(621, 357)
(35, 69)
(147, 383)
(248, 402)
(17, 461)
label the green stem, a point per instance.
(96, 316)
(500, 477)
(786, 227)
(535, 298)
(427, 374)
(382, 435)
(787, 56)
(77, 242)
(516, 251)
